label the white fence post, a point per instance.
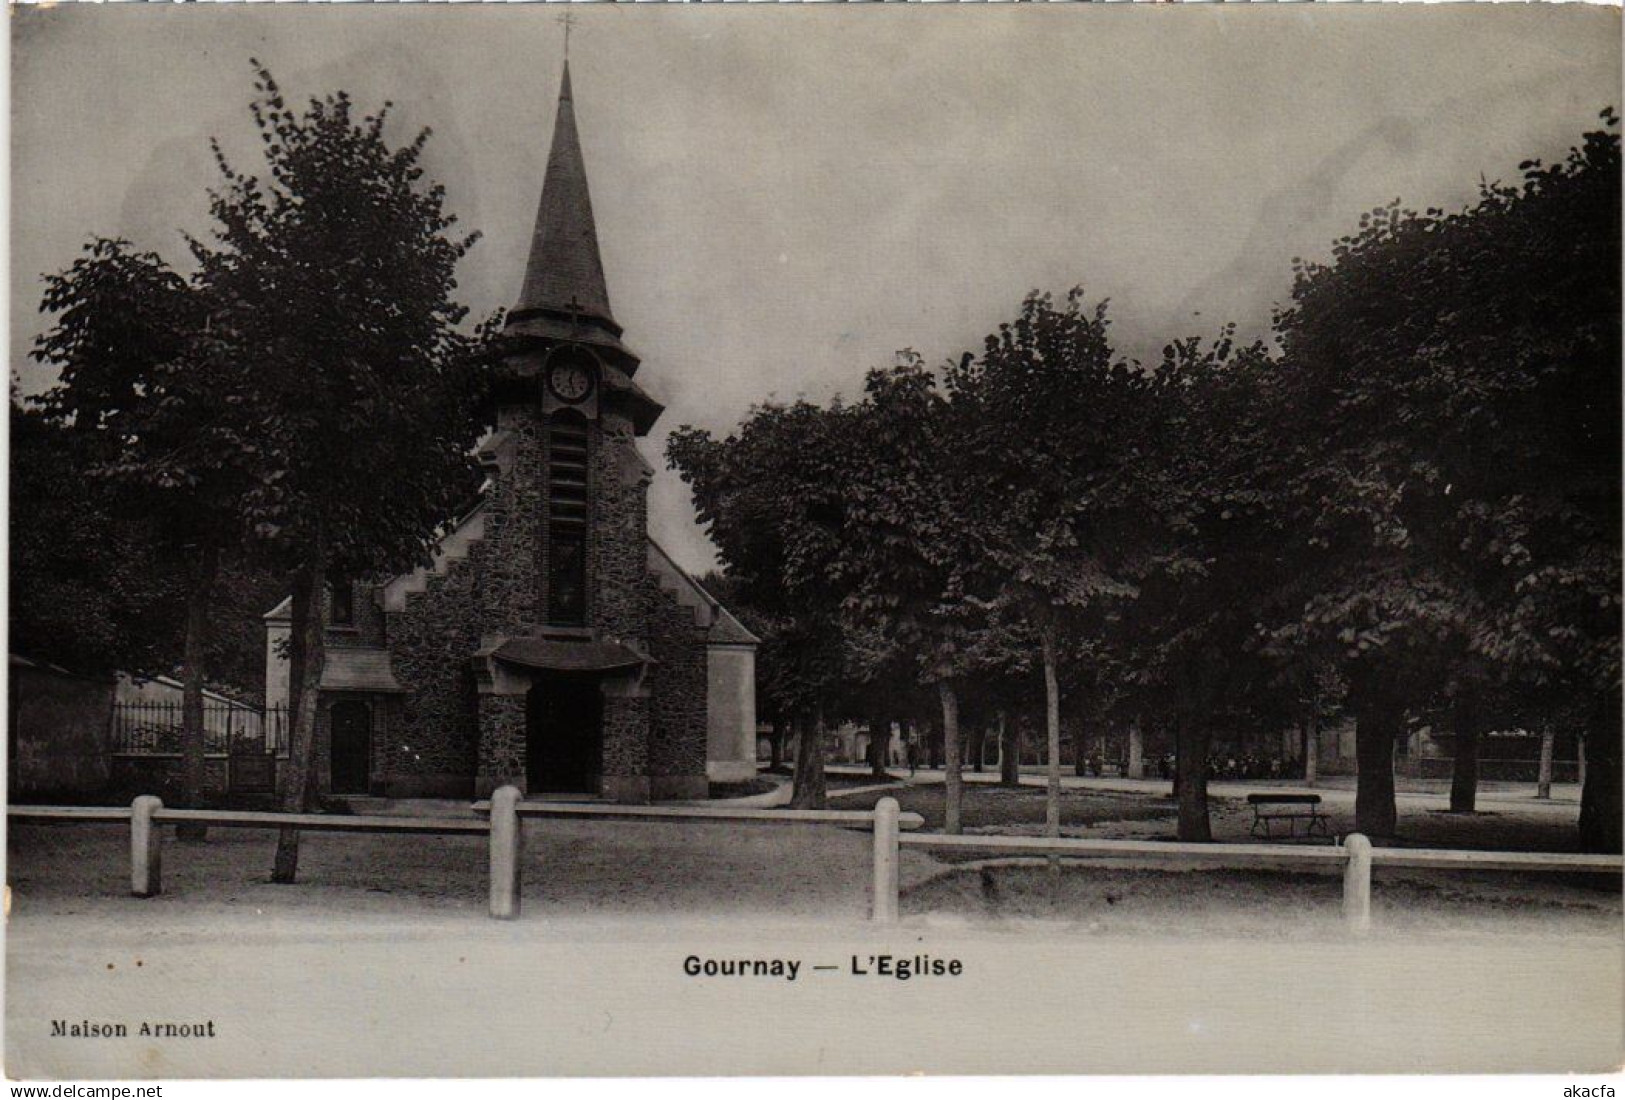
(146, 848)
(1357, 884)
(505, 838)
(883, 909)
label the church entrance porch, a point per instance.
(564, 714)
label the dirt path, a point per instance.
(381, 961)
(441, 995)
(609, 868)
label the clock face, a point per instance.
(570, 381)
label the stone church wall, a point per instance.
(428, 741)
(492, 590)
(678, 685)
(368, 627)
(618, 564)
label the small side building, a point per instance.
(58, 726)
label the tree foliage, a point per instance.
(331, 278)
(1409, 507)
(1448, 411)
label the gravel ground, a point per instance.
(381, 959)
(1093, 899)
(436, 996)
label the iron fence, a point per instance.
(154, 728)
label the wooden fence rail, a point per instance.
(502, 826)
(93, 815)
(504, 816)
(861, 818)
(1356, 856)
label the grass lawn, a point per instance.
(1095, 897)
(834, 781)
(746, 789)
(1136, 815)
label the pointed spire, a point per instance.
(564, 276)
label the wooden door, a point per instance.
(350, 723)
(564, 715)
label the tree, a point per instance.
(903, 555)
(141, 380)
(332, 279)
(1049, 419)
(772, 496)
(1189, 645)
(1451, 434)
(89, 589)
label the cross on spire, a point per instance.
(567, 20)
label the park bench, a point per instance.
(1288, 808)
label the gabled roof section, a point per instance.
(721, 628)
(728, 630)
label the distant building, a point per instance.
(58, 727)
(74, 736)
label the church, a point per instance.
(551, 644)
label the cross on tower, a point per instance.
(567, 20)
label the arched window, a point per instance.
(568, 506)
(341, 603)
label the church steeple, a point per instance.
(563, 304)
(564, 276)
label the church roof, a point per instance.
(721, 628)
(564, 296)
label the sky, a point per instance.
(787, 195)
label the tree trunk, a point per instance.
(1376, 728)
(879, 744)
(193, 735)
(978, 747)
(1464, 764)
(1600, 796)
(306, 660)
(1548, 742)
(1052, 722)
(810, 790)
(1136, 749)
(775, 743)
(1179, 765)
(952, 781)
(1192, 738)
(1311, 749)
(1009, 751)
